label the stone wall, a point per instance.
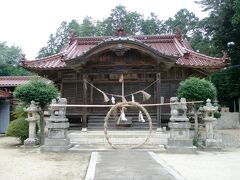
(228, 120)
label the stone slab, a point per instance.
(55, 148)
(56, 142)
(180, 142)
(181, 150)
(127, 165)
(213, 143)
(64, 125)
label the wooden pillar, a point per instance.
(158, 98)
(84, 125)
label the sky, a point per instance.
(28, 23)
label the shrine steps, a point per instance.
(96, 122)
(96, 138)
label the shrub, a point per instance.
(18, 128)
(196, 89)
(217, 114)
(37, 90)
(19, 111)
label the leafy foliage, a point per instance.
(196, 89)
(37, 90)
(184, 20)
(9, 61)
(227, 83)
(133, 23)
(18, 128)
(152, 25)
(19, 112)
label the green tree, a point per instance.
(131, 21)
(55, 42)
(223, 26)
(40, 91)
(184, 20)
(87, 27)
(10, 57)
(152, 25)
(196, 89)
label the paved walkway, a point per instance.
(129, 165)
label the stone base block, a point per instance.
(214, 144)
(56, 145)
(56, 142)
(55, 148)
(180, 142)
(181, 150)
(31, 142)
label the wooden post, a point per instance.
(158, 97)
(84, 125)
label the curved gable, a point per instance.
(120, 46)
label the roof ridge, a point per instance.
(46, 58)
(204, 55)
(16, 77)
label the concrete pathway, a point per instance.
(129, 165)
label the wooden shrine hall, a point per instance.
(153, 63)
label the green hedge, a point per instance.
(18, 128)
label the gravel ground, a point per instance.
(206, 165)
(17, 163)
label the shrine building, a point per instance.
(153, 63)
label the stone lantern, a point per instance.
(33, 118)
(209, 120)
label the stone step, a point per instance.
(118, 137)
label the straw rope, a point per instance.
(122, 105)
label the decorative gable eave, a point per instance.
(119, 46)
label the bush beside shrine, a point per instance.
(18, 128)
(196, 89)
(37, 90)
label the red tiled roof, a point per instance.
(4, 94)
(169, 45)
(12, 81)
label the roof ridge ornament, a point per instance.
(226, 57)
(120, 31)
(73, 37)
(179, 34)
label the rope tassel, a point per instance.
(146, 96)
(133, 100)
(140, 117)
(113, 100)
(106, 99)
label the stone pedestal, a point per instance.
(179, 140)
(33, 118)
(57, 139)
